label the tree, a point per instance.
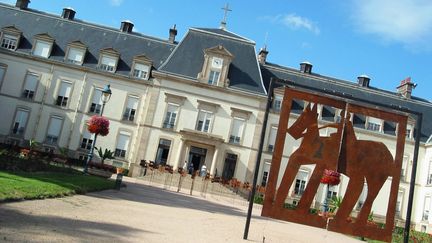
(107, 154)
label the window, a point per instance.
(9, 42)
(272, 138)
(42, 49)
(266, 171)
(236, 130)
(75, 56)
(214, 77)
(399, 202)
(374, 124)
(300, 183)
(163, 151)
(141, 71)
(404, 166)
(63, 94)
(409, 131)
(122, 145)
(131, 108)
(96, 105)
(2, 73)
(30, 85)
(108, 63)
(277, 103)
(204, 121)
(426, 208)
(20, 122)
(170, 116)
(54, 129)
(362, 197)
(332, 192)
(87, 139)
(429, 175)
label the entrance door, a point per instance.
(197, 157)
(229, 166)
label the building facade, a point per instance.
(200, 101)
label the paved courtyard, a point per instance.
(147, 213)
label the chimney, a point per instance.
(405, 88)
(68, 13)
(363, 80)
(262, 55)
(126, 26)
(172, 34)
(306, 67)
(22, 4)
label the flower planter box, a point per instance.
(101, 173)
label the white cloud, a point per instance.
(404, 21)
(294, 22)
(116, 2)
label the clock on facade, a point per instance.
(217, 62)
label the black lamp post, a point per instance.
(106, 95)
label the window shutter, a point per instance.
(55, 126)
(142, 67)
(109, 61)
(97, 96)
(75, 55)
(123, 141)
(42, 49)
(272, 138)
(302, 175)
(65, 89)
(31, 82)
(21, 117)
(132, 103)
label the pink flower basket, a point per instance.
(330, 177)
(98, 125)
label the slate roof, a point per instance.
(95, 37)
(188, 58)
(381, 96)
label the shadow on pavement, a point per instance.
(16, 221)
(158, 196)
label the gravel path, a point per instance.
(143, 213)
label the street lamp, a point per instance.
(106, 95)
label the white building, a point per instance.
(200, 100)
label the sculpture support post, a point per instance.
(257, 164)
(413, 177)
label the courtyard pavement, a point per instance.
(147, 213)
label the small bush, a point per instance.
(259, 199)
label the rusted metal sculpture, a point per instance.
(360, 160)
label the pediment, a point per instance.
(219, 50)
(11, 30)
(44, 36)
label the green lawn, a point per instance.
(37, 185)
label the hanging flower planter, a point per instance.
(98, 125)
(330, 177)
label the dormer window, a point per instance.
(43, 45)
(76, 52)
(108, 63)
(108, 60)
(213, 77)
(216, 66)
(141, 67)
(374, 124)
(141, 71)
(9, 42)
(10, 38)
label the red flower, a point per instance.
(330, 177)
(98, 125)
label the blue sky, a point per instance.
(388, 40)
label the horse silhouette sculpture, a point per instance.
(360, 160)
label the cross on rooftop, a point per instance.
(226, 10)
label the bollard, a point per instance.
(118, 181)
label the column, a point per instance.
(214, 161)
(179, 156)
